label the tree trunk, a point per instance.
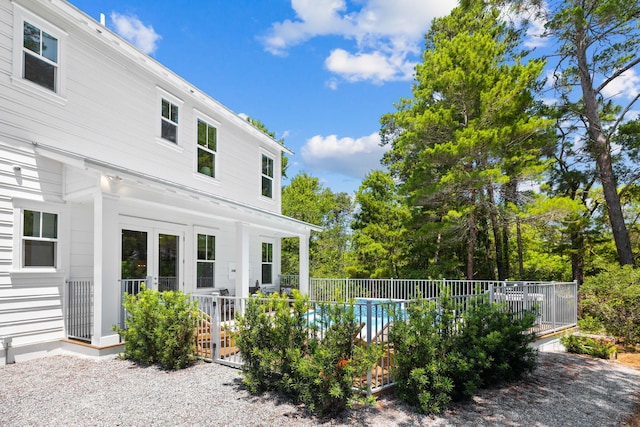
(493, 216)
(437, 254)
(577, 257)
(471, 245)
(520, 250)
(601, 150)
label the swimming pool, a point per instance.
(373, 314)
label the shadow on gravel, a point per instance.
(564, 390)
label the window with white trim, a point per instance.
(39, 238)
(267, 176)
(39, 56)
(206, 264)
(207, 148)
(169, 121)
(267, 263)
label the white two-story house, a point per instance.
(114, 168)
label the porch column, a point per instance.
(106, 291)
(304, 265)
(242, 260)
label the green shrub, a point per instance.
(441, 355)
(326, 378)
(590, 324)
(160, 328)
(424, 355)
(613, 298)
(587, 345)
(283, 352)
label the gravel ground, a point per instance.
(565, 390)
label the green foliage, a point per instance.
(305, 199)
(469, 134)
(499, 337)
(441, 355)
(421, 357)
(283, 352)
(590, 325)
(160, 328)
(586, 345)
(613, 298)
(379, 236)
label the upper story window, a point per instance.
(169, 121)
(40, 57)
(267, 176)
(39, 239)
(207, 148)
(206, 267)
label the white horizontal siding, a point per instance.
(25, 176)
(111, 112)
(81, 256)
(31, 308)
(6, 237)
(6, 37)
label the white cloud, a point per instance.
(536, 34)
(332, 83)
(530, 17)
(347, 156)
(366, 66)
(133, 30)
(387, 35)
(625, 85)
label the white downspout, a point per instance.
(6, 344)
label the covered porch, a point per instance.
(127, 228)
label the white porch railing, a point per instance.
(79, 309)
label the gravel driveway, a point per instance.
(565, 390)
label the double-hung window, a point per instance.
(267, 176)
(39, 239)
(206, 267)
(207, 148)
(267, 263)
(169, 121)
(39, 56)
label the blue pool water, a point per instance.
(373, 314)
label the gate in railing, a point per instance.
(214, 336)
(79, 318)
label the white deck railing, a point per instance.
(555, 303)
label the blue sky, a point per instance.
(319, 73)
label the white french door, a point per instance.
(155, 252)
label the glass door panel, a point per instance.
(168, 262)
(134, 261)
(134, 254)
